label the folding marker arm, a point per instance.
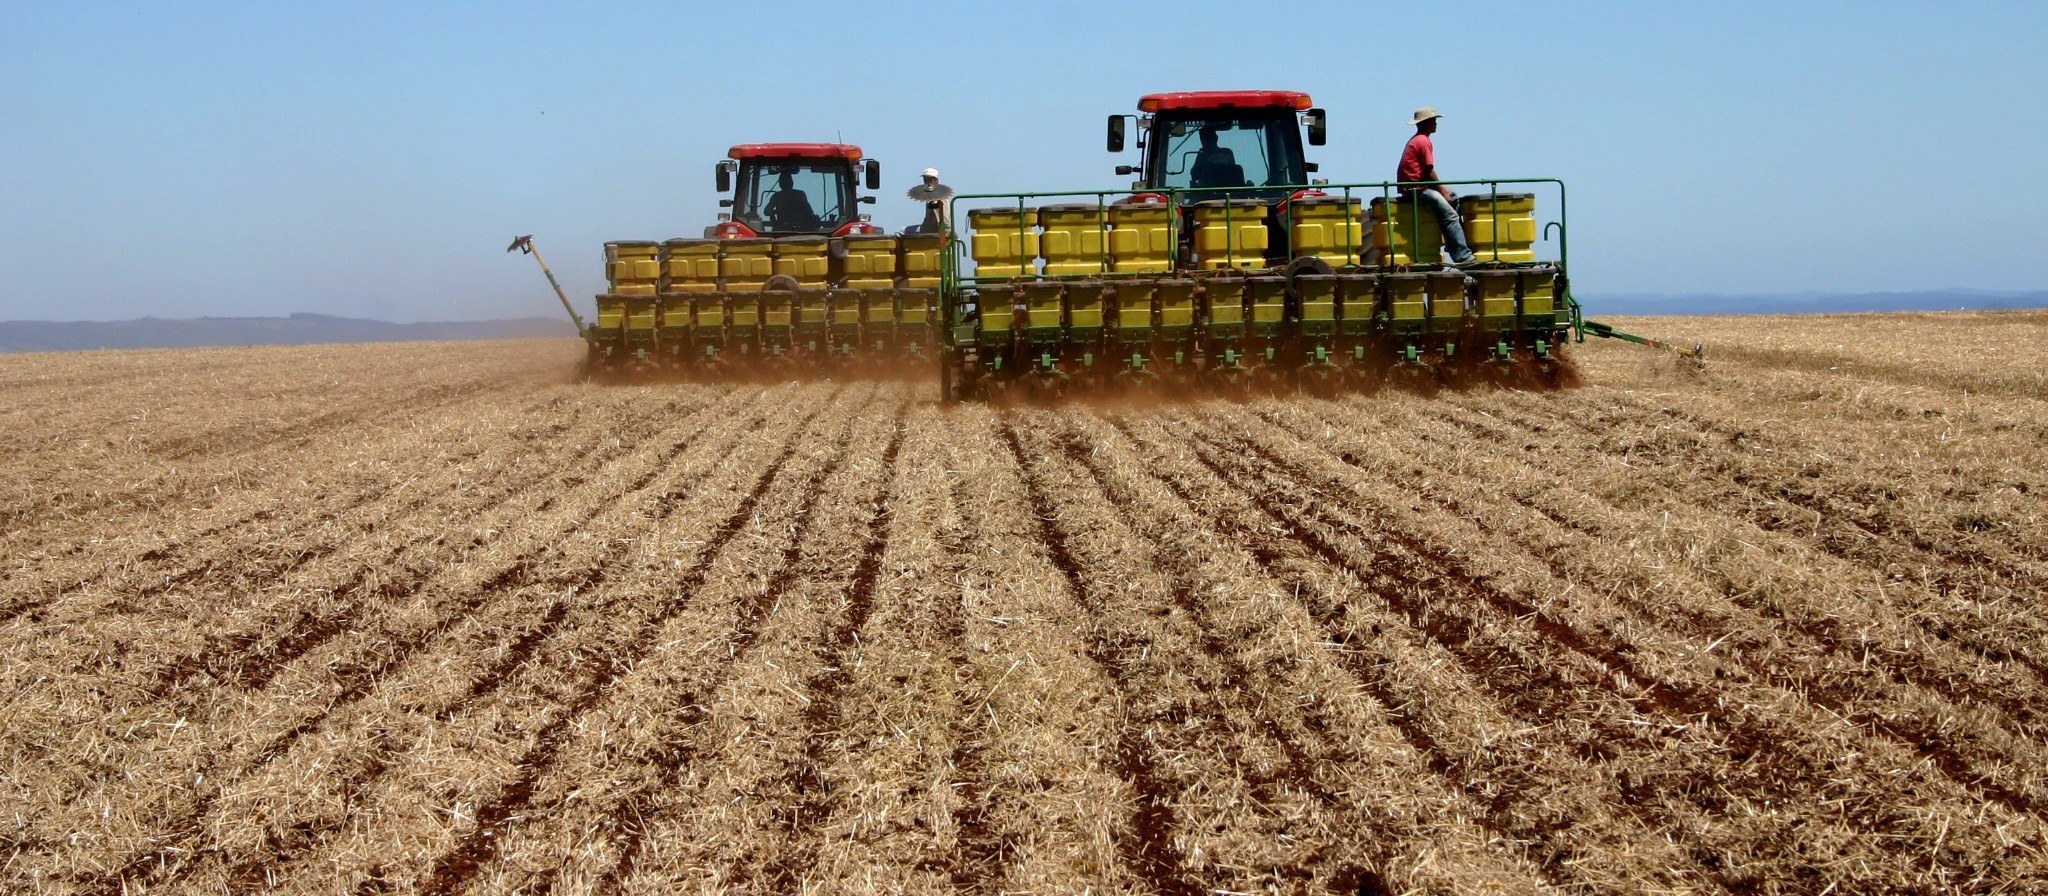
(524, 245)
(1697, 352)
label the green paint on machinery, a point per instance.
(1225, 267)
(792, 278)
(1222, 268)
(1315, 292)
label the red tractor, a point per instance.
(793, 189)
(792, 273)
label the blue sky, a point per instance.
(373, 159)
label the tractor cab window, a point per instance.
(794, 195)
(1250, 151)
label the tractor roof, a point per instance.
(794, 151)
(1224, 99)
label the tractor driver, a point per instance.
(789, 208)
(1214, 166)
(1418, 164)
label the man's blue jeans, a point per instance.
(1454, 229)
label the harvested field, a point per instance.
(435, 618)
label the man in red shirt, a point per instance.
(1418, 166)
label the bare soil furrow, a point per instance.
(1150, 850)
(1769, 736)
(247, 654)
(221, 446)
(802, 579)
(1932, 695)
(1033, 737)
(356, 678)
(980, 850)
(283, 531)
(1192, 718)
(184, 533)
(1552, 802)
(441, 618)
(348, 679)
(1866, 516)
(823, 711)
(576, 651)
(1274, 698)
(1684, 698)
(478, 846)
(1957, 665)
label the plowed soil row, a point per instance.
(439, 619)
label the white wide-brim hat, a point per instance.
(1424, 114)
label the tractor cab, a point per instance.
(793, 189)
(1217, 141)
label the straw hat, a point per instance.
(1424, 114)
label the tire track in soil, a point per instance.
(507, 584)
(979, 852)
(1673, 700)
(1905, 669)
(1149, 849)
(75, 382)
(153, 555)
(479, 846)
(170, 583)
(1878, 546)
(173, 546)
(360, 680)
(746, 629)
(306, 520)
(517, 575)
(15, 516)
(218, 658)
(226, 660)
(1807, 361)
(1518, 797)
(1913, 729)
(1182, 580)
(1704, 428)
(821, 715)
(379, 409)
(1679, 695)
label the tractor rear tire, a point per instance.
(1305, 265)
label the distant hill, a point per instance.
(1810, 302)
(298, 329)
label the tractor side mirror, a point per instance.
(870, 200)
(1318, 127)
(874, 174)
(724, 178)
(1116, 133)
